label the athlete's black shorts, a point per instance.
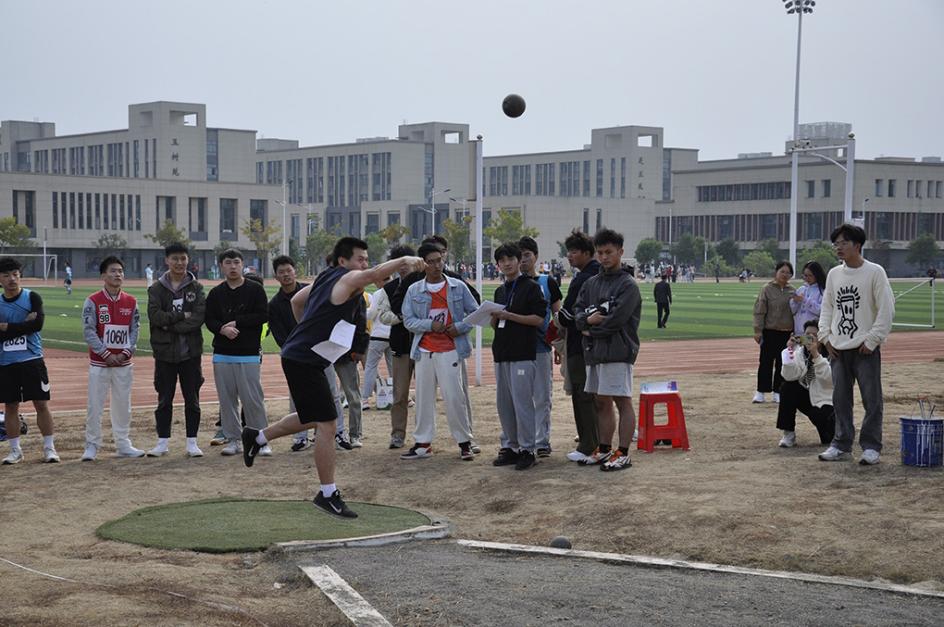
(308, 385)
(24, 381)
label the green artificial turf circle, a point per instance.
(228, 525)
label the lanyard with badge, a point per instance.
(508, 300)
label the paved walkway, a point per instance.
(440, 583)
(68, 370)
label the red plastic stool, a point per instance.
(673, 430)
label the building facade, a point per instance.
(169, 165)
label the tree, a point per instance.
(923, 251)
(13, 235)
(107, 245)
(686, 249)
(508, 226)
(770, 246)
(376, 246)
(760, 262)
(728, 250)
(717, 261)
(224, 244)
(459, 236)
(821, 253)
(266, 237)
(394, 233)
(318, 246)
(648, 250)
(169, 234)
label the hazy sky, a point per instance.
(718, 75)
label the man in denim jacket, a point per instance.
(433, 310)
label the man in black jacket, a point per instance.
(282, 321)
(236, 309)
(607, 314)
(662, 293)
(580, 255)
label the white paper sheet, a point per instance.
(483, 315)
(342, 335)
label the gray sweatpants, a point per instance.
(351, 385)
(237, 383)
(515, 399)
(851, 367)
(543, 366)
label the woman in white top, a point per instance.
(808, 299)
(807, 387)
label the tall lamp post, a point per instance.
(432, 205)
(798, 7)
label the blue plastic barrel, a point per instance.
(922, 441)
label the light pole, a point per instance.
(432, 205)
(799, 7)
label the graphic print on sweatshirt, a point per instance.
(847, 302)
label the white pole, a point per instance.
(795, 161)
(45, 266)
(850, 180)
(478, 252)
(284, 216)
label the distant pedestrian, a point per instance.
(148, 275)
(662, 293)
(68, 281)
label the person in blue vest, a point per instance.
(23, 375)
(544, 360)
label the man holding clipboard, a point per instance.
(331, 301)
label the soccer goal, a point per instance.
(914, 304)
(39, 266)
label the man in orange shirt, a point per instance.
(433, 310)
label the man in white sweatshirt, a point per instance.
(856, 318)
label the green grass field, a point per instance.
(700, 310)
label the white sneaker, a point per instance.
(265, 451)
(194, 451)
(233, 447)
(50, 456)
(365, 406)
(158, 451)
(776, 397)
(833, 454)
(15, 457)
(869, 457)
(576, 456)
(356, 443)
(789, 439)
(91, 451)
(126, 450)
(635, 435)
(759, 398)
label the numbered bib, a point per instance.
(116, 336)
(15, 345)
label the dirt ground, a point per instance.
(735, 498)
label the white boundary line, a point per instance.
(346, 598)
(437, 529)
(659, 562)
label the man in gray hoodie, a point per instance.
(607, 314)
(176, 308)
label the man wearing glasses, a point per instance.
(855, 319)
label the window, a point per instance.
(55, 210)
(622, 177)
(137, 212)
(827, 188)
(81, 205)
(910, 192)
(599, 219)
(393, 217)
(137, 165)
(98, 211)
(612, 178)
(930, 190)
(373, 223)
(891, 188)
(599, 178)
(260, 172)
(918, 188)
(258, 210)
(878, 188)
(586, 220)
(227, 217)
(810, 189)
(937, 189)
(586, 178)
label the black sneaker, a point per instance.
(525, 460)
(506, 457)
(250, 446)
(544, 452)
(299, 445)
(24, 429)
(341, 442)
(465, 452)
(334, 505)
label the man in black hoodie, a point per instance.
(607, 314)
(236, 309)
(580, 255)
